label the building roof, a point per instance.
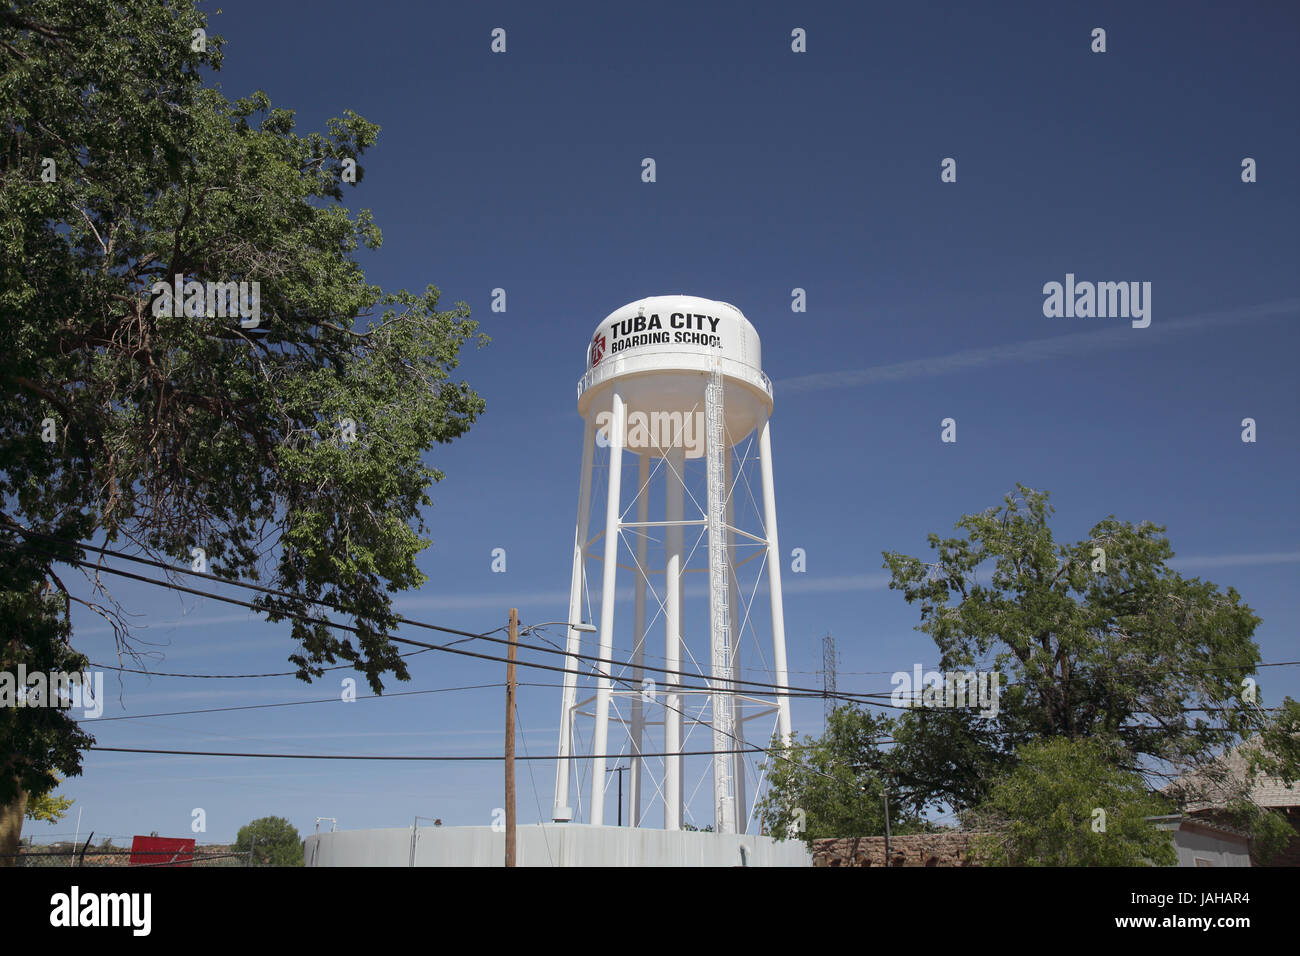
(1213, 786)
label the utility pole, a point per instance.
(619, 771)
(252, 842)
(510, 738)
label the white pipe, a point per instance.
(562, 812)
(75, 840)
(724, 807)
(733, 602)
(600, 737)
(638, 648)
(774, 581)
(676, 490)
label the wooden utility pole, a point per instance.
(510, 738)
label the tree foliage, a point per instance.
(48, 807)
(1067, 804)
(833, 785)
(1098, 638)
(196, 432)
(274, 841)
(37, 744)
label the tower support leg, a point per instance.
(676, 464)
(613, 505)
(781, 674)
(562, 812)
(638, 647)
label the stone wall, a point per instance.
(914, 849)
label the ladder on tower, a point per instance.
(724, 736)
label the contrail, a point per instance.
(1057, 346)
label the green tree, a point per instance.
(291, 451)
(274, 840)
(1278, 751)
(48, 807)
(833, 785)
(35, 742)
(1067, 804)
(1096, 638)
(945, 758)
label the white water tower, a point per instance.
(675, 382)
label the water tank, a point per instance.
(661, 351)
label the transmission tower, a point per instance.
(828, 676)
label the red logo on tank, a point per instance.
(597, 350)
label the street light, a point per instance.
(582, 626)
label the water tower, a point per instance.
(675, 385)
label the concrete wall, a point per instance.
(551, 844)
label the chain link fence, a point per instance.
(67, 855)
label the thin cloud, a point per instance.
(1034, 350)
(798, 584)
(1236, 560)
(167, 625)
(473, 602)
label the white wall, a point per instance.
(572, 844)
(1220, 851)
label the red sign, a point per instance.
(161, 851)
(597, 349)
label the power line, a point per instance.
(293, 703)
(778, 688)
(334, 700)
(827, 693)
(794, 692)
(464, 757)
(147, 673)
(452, 650)
(848, 696)
(537, 799)
(854, 698)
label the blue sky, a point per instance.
(775, 170)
